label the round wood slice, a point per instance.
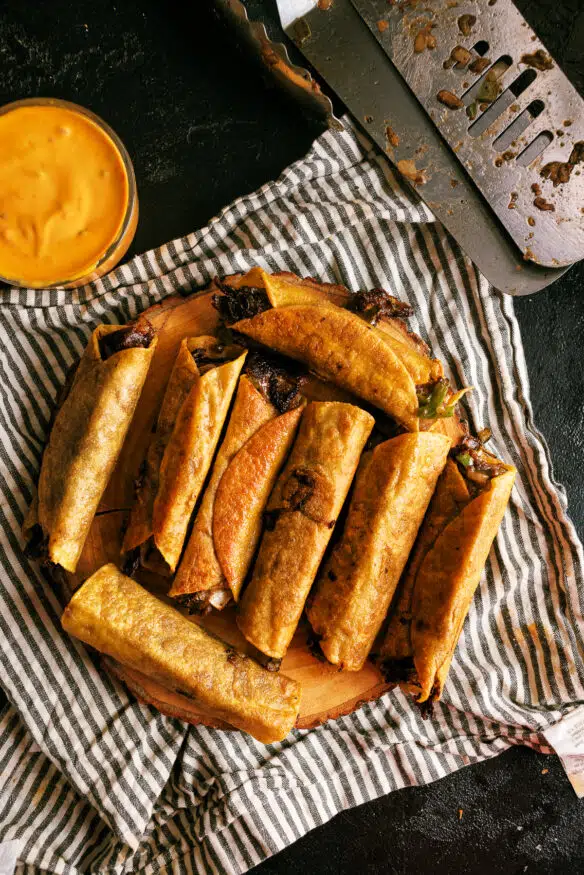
(326, 692)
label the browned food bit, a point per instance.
(139, 334)
(278, 379)
(325, 5)
(539, 60)
(206, 358)
(425, 39)
(479, 65)
(236, 304)
(466, 24)
(408, 169)
(377, 303)
(459, 58)
(392, 137)
(559, 172)
(449, 99)
(484, 435)
(513, 201)
(536, 188)
(540, 203)
(530, 221)
(382, 25)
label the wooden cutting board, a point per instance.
(327, 693)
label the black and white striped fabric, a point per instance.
(92, 781)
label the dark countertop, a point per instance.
(203, 126)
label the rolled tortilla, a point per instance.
(200, 580)
(179, 456)
(301, 515)
(86, 439)
(358, 342)
(393, 487)
(121, 619)
(243, 493)
(342, 348)
(285, 289)
(441, 578)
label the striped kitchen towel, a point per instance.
(92, 781)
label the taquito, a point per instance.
(116, 616)
(393, 487)
(358, 342)
(444, 570)
(228, 523)
(86, 438)
(301, 515)
(193, 411)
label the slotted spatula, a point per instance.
(388, 61)
(504, 107)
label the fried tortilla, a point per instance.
(200, 580)
(393, 487)
(243, 493)
(359, 342)
(194, 409)
(301, 515)
(339, 346)
(444, 570)
(86, 439)
(116, 616)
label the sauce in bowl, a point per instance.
(68, 206)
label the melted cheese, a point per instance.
(63, 194)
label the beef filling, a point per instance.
(477, 466)
(236, 304)
(278, 379)
(138, 334)
(377, 303)
(195, 602)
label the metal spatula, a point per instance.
(480, 184)
(503, 106)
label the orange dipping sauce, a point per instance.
(68, 209)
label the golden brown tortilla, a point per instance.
(386, 378)
(301, 514)
(118, 617)
(342, 348)
(183, 377)
(284, 290)
(85, 441)
(440, 581)
(200, 574)
(193, 411)
(243, 493)
(392, 490)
